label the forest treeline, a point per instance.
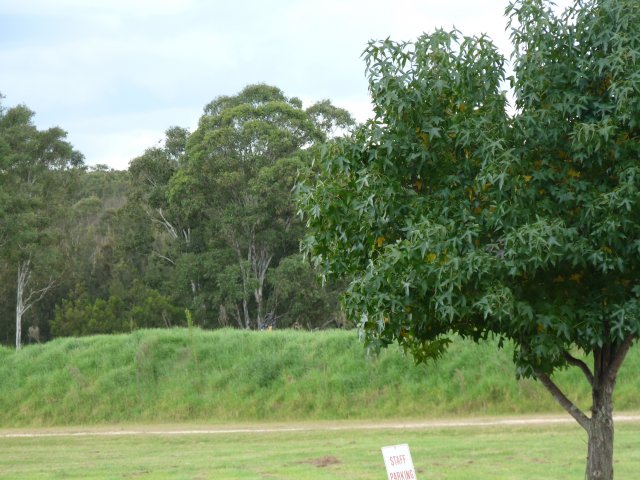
(201, 229)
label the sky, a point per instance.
(116, 74)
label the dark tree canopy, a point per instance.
(456, 214)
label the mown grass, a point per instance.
(470, 453)
(223, 376)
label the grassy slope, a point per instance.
(234, 376)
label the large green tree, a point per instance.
(34, 181)
(241, 166)
(455, 214)
(221, 201)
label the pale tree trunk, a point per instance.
(175, 234)
(599, 427)
(245, 292)
(23, 279)
(247, 317)
(24, 300)
(260, 264)
(254, 268)
(223, 319)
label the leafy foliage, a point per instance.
(198, 223)
(220, 198)
(455, 215)
(81, 315)
(35, 176)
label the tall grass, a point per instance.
(220, 376)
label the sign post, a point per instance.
(397, 459)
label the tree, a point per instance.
(300, 300)
(240, 166)
(171, 266)
(456, 215)
(25, 297)
(221, 201)
(32, 166)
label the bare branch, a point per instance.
(186, 234)
(30, 301)
(163, 257)
(618, 358)
(24, 276)
(581, 365)
(171, 230)
(22, 304)
(562, 399)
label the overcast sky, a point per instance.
(116, 74)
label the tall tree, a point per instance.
(250, 146)
(222, 202)
(172, 267)
(455, 215)
(31, 167)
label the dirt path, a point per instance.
(167, 430)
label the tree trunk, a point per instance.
(238, 315)
(247, 318)
(25, 298)
(607, 361)
(244, 275)
(600, 448)
(257, 294)
(600, 456)
(24, 273)
(260, 260)
(19, 317)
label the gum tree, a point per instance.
(453, 213)
(33, 165)
(221, 201)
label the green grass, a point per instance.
(226, 376)
(471, 453)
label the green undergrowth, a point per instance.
(223, 376)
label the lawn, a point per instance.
(314, 453)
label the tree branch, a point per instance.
(618, 358)
(561, 398)
(171, 230)
(581, 365)
(30, 301)
(163, 257)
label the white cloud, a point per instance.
(117, 139)
(68, 7)
(117, 73)
(117, 149)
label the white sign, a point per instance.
(397, 459)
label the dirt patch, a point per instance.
(323, 461)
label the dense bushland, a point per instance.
(192, 375)
(205, 222)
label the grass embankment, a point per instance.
(235, 376)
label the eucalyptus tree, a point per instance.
(32, 168)
(232, 194)
(455, 214)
